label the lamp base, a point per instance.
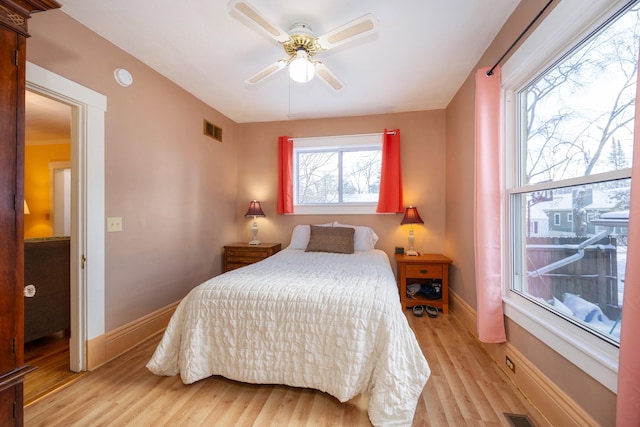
(411, 253)
(255, 242)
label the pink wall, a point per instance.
(422, 155)
(174, 188)
(596, 399)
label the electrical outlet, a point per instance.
(114, 223)
(510, 364)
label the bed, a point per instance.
(317, 319)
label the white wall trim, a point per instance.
(88, 138)
(594, 356)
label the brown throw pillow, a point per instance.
(331, 239)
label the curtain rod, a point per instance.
(490, 72)
(344, 136)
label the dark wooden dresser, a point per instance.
(14, 15)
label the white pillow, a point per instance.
(300, 235)
(364, 239)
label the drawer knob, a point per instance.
(424, 271)
(30, 291)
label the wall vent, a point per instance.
(212, 130)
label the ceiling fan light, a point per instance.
(301, 70)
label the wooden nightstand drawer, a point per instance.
(424, 271)
(232, 266)
(241, 254)
(248, 254)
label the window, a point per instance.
(570, 142)
(341, 172)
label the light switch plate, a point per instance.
(114, 223)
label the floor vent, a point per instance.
(517, 420)
(212, 130)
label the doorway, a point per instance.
(87, 246)
(47, 233)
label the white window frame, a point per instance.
(567, 24)
(335, 142)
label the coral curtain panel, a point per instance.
(628, 403)
(285, 175)
(390, 196)
(487, 206)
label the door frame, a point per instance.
(88, 206)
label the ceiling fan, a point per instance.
(301, 45)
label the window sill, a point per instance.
(594, 356)
(335, 210)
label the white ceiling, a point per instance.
(421, 54)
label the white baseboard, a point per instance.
(555, 405)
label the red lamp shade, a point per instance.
(411, 216)
(254, 209)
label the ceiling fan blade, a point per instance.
(250, 12)
(266, 72)
(357, 28)
(327, 76)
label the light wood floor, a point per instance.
(465, 389)
(50, 355)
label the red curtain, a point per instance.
(390, 196)
(285, 175)
(487, 208)
(628, 403)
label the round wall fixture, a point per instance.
(123, 77)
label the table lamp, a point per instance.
(255, 211)
(411, 216)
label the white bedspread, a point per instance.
(332, 322)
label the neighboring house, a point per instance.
(616, 221)
(538, 221)
(559, 217)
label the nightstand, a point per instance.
(423, 269)
(241, 254)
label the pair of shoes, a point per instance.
(418, 310)
(432, 311)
